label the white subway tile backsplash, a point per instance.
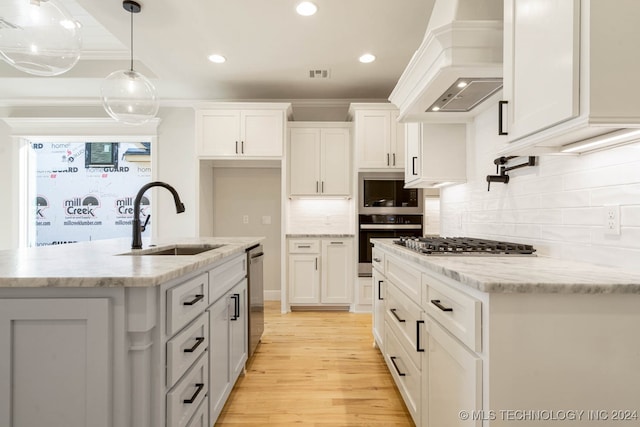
(558, 206)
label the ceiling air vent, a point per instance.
(319, 74)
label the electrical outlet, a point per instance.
(612, 220)
(245, 219)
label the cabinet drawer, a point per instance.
(457, 312)
(304, 246)
(185, 398)
(405, 317)
(377, 259)
(405, 277)
(186, 347)
(201, 417)
(186, 301)
(406, 376)
(223, 277)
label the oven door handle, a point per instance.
(390, 226)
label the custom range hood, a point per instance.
(458, 64)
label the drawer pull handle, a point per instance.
(393, 311)
(377, 259)
(418, 323)
(393, 361)
(337, 243)
(199, 340)
(436, 302)
(380, 290)
(198, 297)
(199, 387)
(304, 246)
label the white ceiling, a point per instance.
(269, 49)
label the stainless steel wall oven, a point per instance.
(385, 210)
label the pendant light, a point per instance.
(40, 37)
(128, 96)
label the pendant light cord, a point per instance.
(131, 13)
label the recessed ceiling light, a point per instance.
(462, 84)
(367, 58)
(306, 8)
(435, 109)
(218, 59)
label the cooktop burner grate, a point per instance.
(463, 246)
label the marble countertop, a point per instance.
(522, 274)
(101, 263)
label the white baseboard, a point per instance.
(272, 295)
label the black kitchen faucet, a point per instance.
(137, 228)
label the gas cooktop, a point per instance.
(464, 246)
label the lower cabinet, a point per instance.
(426, 331)
(228, 352)
(320, 271)
(453, 381)
(43, 343)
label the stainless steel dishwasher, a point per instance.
(255, 258)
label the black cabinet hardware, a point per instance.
(436, 302)
(236, 147)
(393, 361)
(199, 340)
(199, 387)
(322, 187)
(242, 147)
(501, 105)
(377, 259)
(198, 297)
(413, 166)
(316, 263)
(380, 290)
(393, 311)
(394, 159)
(236, 306)
(387, 159)
(418, 323)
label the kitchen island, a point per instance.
(508, 341)
(95, 334)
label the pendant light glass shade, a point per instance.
(128, 96)
(39, 37)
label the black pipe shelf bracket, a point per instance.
(502, 169)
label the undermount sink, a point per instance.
(176, 250)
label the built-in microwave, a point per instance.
(384, 193)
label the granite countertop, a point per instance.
(101, 263)
(318, 236)
(522, 274)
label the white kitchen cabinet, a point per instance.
(436, 155)
(319, 159)
(241, 130)
(43, 342)
(337, 271)
(379, 286)
(567, 69)
(379, 138)
(228, 334)
(320, 271)
(453, 381)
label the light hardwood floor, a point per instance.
(315, 369)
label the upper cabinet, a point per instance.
(436, 155)
(379, 138)
(241, 130)
(568, 68)
(319, 159)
